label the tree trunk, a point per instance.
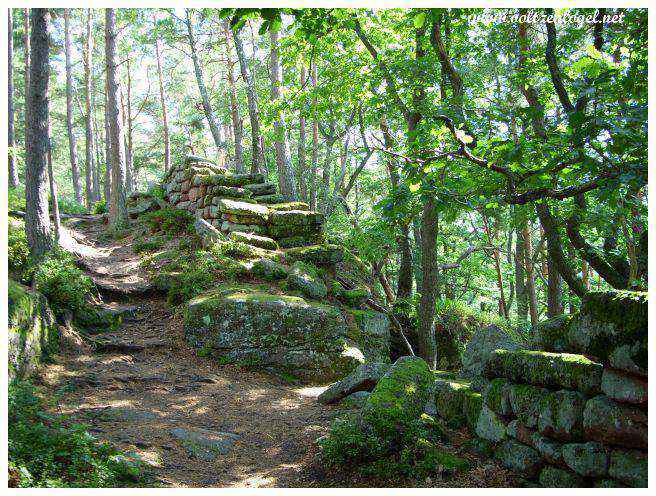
(69, 109)
(26, 79)
(37, 218)
(530, 275)
(234, 108)
(53, 186)
(118, 214)
(207, 108)
(285, 174)
(429, 283)
(129, 165)
(251, 96)
(13, 172)
(88, 82)
(302, 173)
(520, 256)
(554, 290)
(327, 169)
(162, 98)
(315, 140)
(503, 310)
(108, 155)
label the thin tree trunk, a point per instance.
(202, 89)
(530, 276)
(37, 218)
(129, 165)
(520, 257)
(69, 109)
(26, 79)
(302, 173)
(97, 158)
(251, 96)
(88, 82)
(429, 282)
(53, 186)
(315, 140)
(13, 172)
(327, 169)
(234, 109)
(503, 310)
(108, 155)
(162, 97)
(285, 174)
(118, 214)
(554, 290)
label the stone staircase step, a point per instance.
(240, 180)
(261, 189)
(254, 240)
(297, 205)
(269, 199)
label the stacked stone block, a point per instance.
(241, 203)
(576, 414)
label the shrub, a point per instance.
(16, 199)
(150, 244)
(100, 207)
(47, 450)
(18, 253)
(169, 220)
(70, 206)
(64, 284)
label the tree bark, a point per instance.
(37, 218)
(234, 108)
(429, 283)
(88, 124)
(251, 96)
(202, 89)
(530, 273)
(118, 214)
(315, 140)
(162, 98)
(53, 187)
(521, 289)
(13, 172)
(69, 109)
(26, 79)
(283, 163)
(302, 172)
(129, 164)
(108, 154)
(554, 290)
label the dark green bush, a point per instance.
(18, 253)
(70, 206)
(47, 450)
(100, 207)
(169, 220)
(150, 244)
(16, 199)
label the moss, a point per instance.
(525, 401)
(551, 334)
(626, 309)
(497, 396)
(326, 254)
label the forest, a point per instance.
(325, 247)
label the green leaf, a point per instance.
(419, 20)
(414, 187)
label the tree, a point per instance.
(302, 167)
(13, 171)
(200, 81)
(37, 219)
(118, 214)
(69, 109)
(234, 108)
(251, 95)
(162, 98)
(283, 162)
(90, 188)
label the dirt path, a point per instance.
(234, 427)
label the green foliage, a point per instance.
(18, 252)
(100, 207)
(47, 450)
(169, 220)
(16, 199)
(70, 206)
(150, 244)
(63, 283)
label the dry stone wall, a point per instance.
(242, 203)
(573, 414)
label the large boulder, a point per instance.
(561, 415)
(371, 330)
(610, 422)
(629, 466)
(249, 324)
(456, 402)
(479, 349)
(306, 279)
(32, 330)
(623, 387)
(554, 370)
(519, 458)
(587, 459)
(398, 399)
(363, 378)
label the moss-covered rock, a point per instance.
(251, 325)
(607, 320)
(549, 449)
(630, 358)
(481, 346)
(587, 459)
(255, 240)
(629, 466)
(497, 396)
(371, 330)
(525, 403)
(558, 477)
(261, 189)
(456, 402)
(551, 334)
(398, 399)
(519, 458)
(305, 278)
(363, 378)
(623, 387)
(271, 199)
(326, 254)
(232, 179)
(31, 328)
(269, 270)
(610, 422)
(555, 370)
(295, 205)
(561, 415)
(490, 426)
(243, 208)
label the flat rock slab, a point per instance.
(363, 378)
(205, 444)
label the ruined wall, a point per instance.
(574, 412)
(241, 203)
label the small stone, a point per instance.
(587, 459)
(269, 270)
(519, 458)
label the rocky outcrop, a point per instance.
(481, 346)
(363, 378)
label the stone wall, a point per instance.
(243, 203)
(574, 413)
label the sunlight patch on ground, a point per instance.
(310, 391)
